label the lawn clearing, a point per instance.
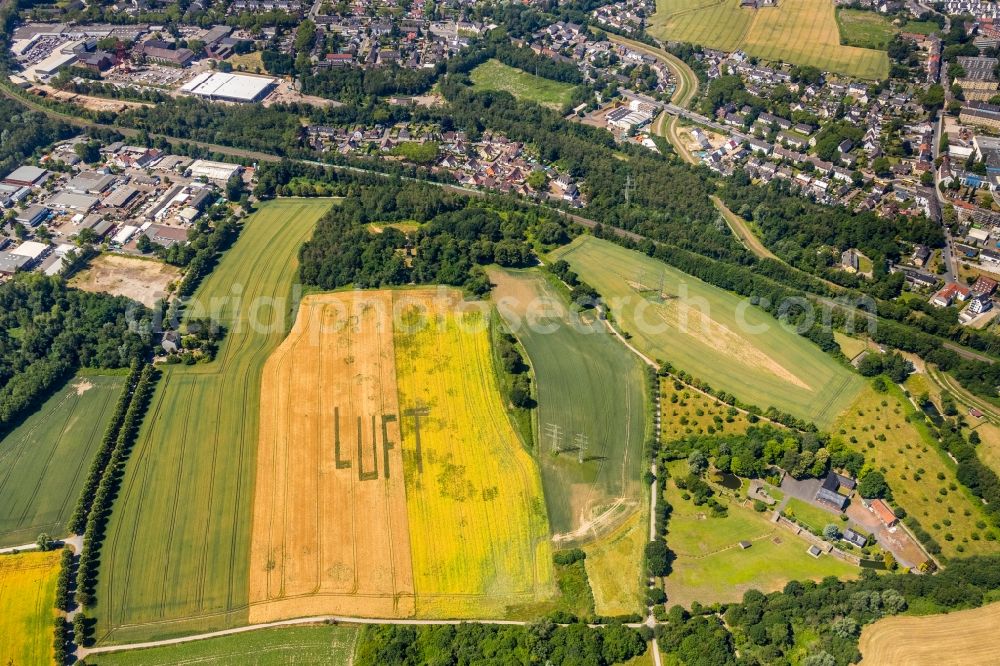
(494, 75)
(320, 645)
(810, 515)
(176, 555)
(712, 334)
(850, 345)
(803, 32)
(27, 607)
(144, 280)
(478, 528)
(911, 463)
(44, 461)
(247, 62)
(330, 531)
(711, 567)
(612, 567)
(924, 641)
(865, 29)
(590, 392)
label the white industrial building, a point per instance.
(228, 87)
(215, 171)
(33, 250)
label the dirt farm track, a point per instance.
(966, 637)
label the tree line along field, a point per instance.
(390, 480)
(175, 559)
(710, 566)
(321, 645)
(495, 75)
(27, 602)
(802, 32)
(923, 482)
(44, 461)
(591, 392)
(924, 641)
(712, 334)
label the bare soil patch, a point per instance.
(143, 280)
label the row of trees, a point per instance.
(540, 643)
(107, 488)
(207, 246)
(78, 521)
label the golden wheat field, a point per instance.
(478, 527)
(27, 602)
(330, 527)
(390, 481)
(966, 637)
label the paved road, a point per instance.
(74, 542)
(946, 254)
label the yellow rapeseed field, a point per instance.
(478, 527)
(27, 601)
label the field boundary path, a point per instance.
(743, 231)
(83, 652)
(962, 396)
(650, 618)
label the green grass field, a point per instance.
(613, 567)
(810, 515)
(711, 567)
(44, 461)
(494, 75)
(176, 554)
(590, 389)
(864, 29)
(803, 32)
(327, 645)
(713, 334)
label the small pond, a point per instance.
(727, 480)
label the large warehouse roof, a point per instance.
(230, 87)
(220, 171)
